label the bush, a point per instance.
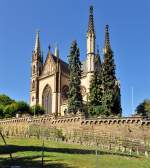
(5, 100)
(143, 108)
(37, 110)
(1, 111)
(22, 107)
(96, 111)
(10, 110)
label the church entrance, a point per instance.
(47, 99)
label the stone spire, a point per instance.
(57, 51)
(90, 42)
(37, 48)
(91, 22)
(107, 39)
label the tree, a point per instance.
(37, 110)
(5, 100)
(10, 110)
(9, 107)
(111, 89)
(74, 94)
(95, 94)
(143, 108)
(22, 107)
(1, 111)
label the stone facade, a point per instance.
(50, 79)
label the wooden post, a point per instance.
(5, 144)
(43, 154)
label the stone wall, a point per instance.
(131, 127)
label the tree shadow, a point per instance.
(30, 162)
(15, 148)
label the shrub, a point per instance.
(10, 110)
(5, 100)
(22, 107)
(1, 111)
(37, 110)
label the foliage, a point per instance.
(74, 94)
(95, 96)
(95, 89)
(22, 107)
(9, 107)
(96, 110)
(104, 98)
(1, 111)
(37, 110)
(143, 108)
(5, 100)
(111, 90)
(10, 110)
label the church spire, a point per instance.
(107, 45)
(56, 51)
(91, 34)
(91, 21)
(90, 42)
(37, 48)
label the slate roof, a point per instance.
(64, 66)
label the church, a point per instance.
(50, 78)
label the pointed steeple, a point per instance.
(57, 51)
(107, 45)
(91, 22)
(90, 42)
(37, 48)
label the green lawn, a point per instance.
(27, 153)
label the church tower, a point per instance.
(91, 42)
(36, 69)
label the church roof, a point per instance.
(63, 65)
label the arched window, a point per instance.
(47, 99)
(33, 69)
(33, 99)
(33, 84)
(65, 90)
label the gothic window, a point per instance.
(33, 99)
(65, 90)
(83, 91)
(33, 85)
(33, 69)
(47, 99)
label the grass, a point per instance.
(27, 153)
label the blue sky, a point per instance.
(61, 21)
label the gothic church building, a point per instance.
(50, 79)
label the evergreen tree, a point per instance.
(111, 91)
(95, 94)
(74, 94)
(143, 108)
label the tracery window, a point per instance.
(33, 85)
(33, 99)
(65, 90)
(33, 69)
(47, 99)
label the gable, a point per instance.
(49, 65)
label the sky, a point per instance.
(61, 22)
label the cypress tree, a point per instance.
(74, 95)
(95, 94)
(111, 90)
